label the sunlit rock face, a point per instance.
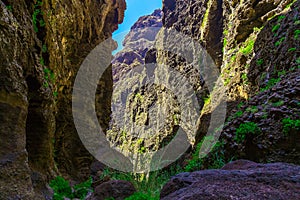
(136, 105)
(137, 43)
(145, 111)
(146, 115)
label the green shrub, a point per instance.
(207, 100)
(288, 124)
(281, 73)
(62, 189)
(257, 29)
(296, 34)
(280, 18)
(245, 78)
(244, 129)
(224, 42)
(275, 28)
(141, 196)
(271, 83)
(240, 105)
(37, 16)
(279, 41)
(233, 58)
(81, 190)
(147, 185)
(279, 103)
(216, 155)
(227, 81)
(44, 48)
(238, 114)
(9, 7)
(292, 49)
(252, 109)
(195, 163)
(260, 61)
(248, 47)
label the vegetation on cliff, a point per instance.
(255, 46)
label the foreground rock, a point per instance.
(237, 180)
(115, 189)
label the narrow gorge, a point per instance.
(224, 72)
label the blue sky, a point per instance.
(135, 9)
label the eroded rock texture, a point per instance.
(42, 47)
(254, 46)
(259, 50)
(151, 96)
(274, 81)
(116, 189)
(238, 180)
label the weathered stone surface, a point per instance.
(23, 101)
(148, 102)
(116, 189)
(238, 180)
(242, 23)
(267, 109)
(137, 43)
(275, 96)
(152, 106)
(69, 43)
(42, 47)
(276, 49)
(239, 24)
(201, 20)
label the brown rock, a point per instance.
(116, 189)
(32, 119)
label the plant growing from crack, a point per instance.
(289, 124)
(244, 129)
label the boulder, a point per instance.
(240, 179)
(116, 189)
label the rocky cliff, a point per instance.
(254, 46)
(42, 46)
(263, 71)
(237, 36)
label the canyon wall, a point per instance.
(42, 46)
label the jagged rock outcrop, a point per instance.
(147, 102)
(68, 44)
(201, 20)
(242, 23)
(137, 43)
(271, 142)
(44, 43)
(274, 104)
(42, 46)
(253, 44)
(237, 35)
(238, 180)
